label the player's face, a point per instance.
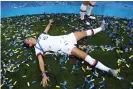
(29, 41)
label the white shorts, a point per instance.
(70, 41)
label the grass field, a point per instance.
(113, 47)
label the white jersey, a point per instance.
(63, 43)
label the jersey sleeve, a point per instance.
(38, 52)
(43, 36)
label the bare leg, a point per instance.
(83, 8)
(91, 5)
(80, 35)
(79, 53)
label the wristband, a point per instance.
(43, 73)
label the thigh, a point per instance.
(80, 35)
(86, 3)
(78, 53)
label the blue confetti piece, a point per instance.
(33, 82)
(91, 86)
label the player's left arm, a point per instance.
(48, 26)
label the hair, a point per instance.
(25, 44)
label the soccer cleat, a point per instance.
(91, 17)
(113, 72)
(103, 25)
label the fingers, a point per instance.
(51, 20)
(45, 83)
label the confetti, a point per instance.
(28, 83)
(15, 83)
(57, 86)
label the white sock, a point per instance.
(96, 30)
(99, 65)
(93, 31)
(89, 10)
(102, 67)
(91, 5)
(82, 11)
(90, 32)
(89, 59)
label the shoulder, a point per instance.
(43, 36)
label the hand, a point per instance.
(51, 21)
(44, 80)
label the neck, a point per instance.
(34, 43)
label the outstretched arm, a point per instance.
(42, 68)
(49, 25)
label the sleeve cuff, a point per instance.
(45, 33)
(39, 54)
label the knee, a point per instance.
(83, 8)
(83, 55)
(78, 53)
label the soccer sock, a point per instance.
(82, 11)
(89, 10)
(91, 5)
(102, 67)
(96, 64)
(93, 31)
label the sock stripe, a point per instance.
(92, 32)
(95, 63)
(82, 10)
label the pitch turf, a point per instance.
(21, 65)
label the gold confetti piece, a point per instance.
(27, 64)
(28, 83)
(22, 62)
(131, 56)
(130, 49)
(6, 78)
(57, 86)
(132, 83)
(68, 58)
(87, 68)
(11, 86)
(14, 68)
(18, 56)
(93, 80)
(1, 85)
(83, 69)
(66, 61)
(103, 78)
(15, 83)
(24, 76)
(10, 80)
(88, 75)
(33, 34)
(16, 51)
(127, 65)
(0, 70)
(118, 70)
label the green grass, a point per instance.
(15, 29)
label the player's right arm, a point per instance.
(42, 68)
(48, 26)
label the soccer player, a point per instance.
(86, 8)
(64, 44)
